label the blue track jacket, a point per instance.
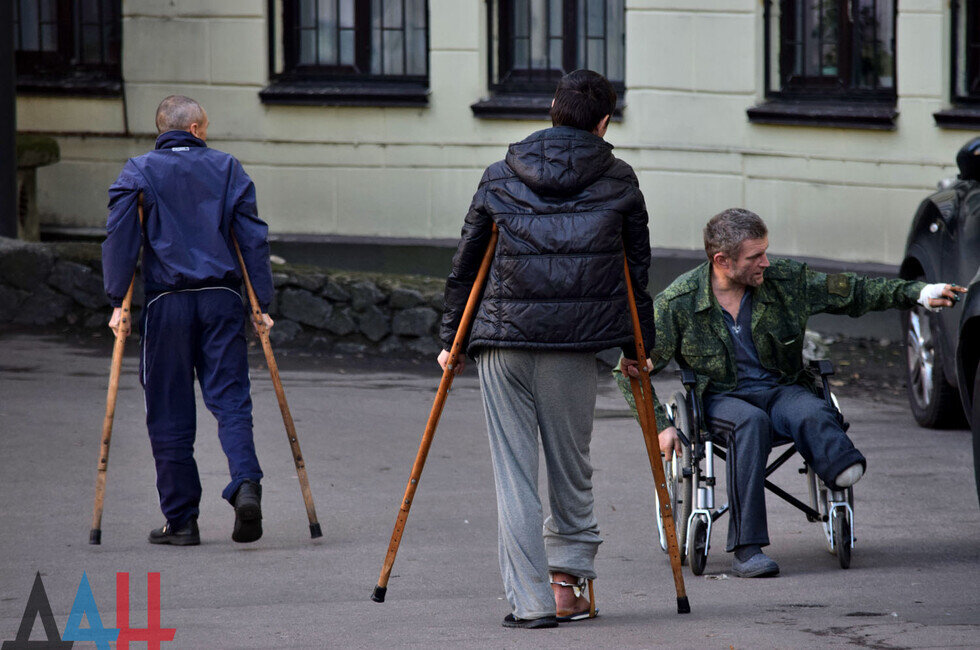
(193, 197)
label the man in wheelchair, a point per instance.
(738, 322)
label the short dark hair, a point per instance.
(583, 98)
(727, 230)
(177, 113)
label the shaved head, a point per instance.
(177, 113)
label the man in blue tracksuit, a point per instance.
(194, 318)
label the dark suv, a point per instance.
(943, 348)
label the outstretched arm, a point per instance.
(855, 295)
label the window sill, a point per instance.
(69, 86)
(346, 93)
(958, 117)
(875, 115)
(525, 106)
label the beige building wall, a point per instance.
(693, 68)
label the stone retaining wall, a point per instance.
(60, 284)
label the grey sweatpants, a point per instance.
(525, 392)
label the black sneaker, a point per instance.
(187, 535)
(530, 623)
(248, 512)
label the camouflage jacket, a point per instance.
(690, 326)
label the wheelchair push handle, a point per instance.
(823, 367)
(688, 378)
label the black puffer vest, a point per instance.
(564, 207)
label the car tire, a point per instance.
(935, 403)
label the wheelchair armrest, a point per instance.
(825, 368)
(688, 378)
(822, 367)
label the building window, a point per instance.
(532, 43)
(68, 46)
(348, 52)
(966, 52)
(964, 67)
(829, 62)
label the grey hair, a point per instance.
(177, 113)
(727, 230)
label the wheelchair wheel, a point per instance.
(842, 537)
(827, 523)
(679, 482)
(697, 546)
(673, 471)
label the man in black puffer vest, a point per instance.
(565, 208)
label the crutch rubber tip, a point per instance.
(683, 607)
(315, 531)
(95, 536)
(379, 594)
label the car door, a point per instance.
(951, 268)
(964, 255)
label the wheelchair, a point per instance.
(691, 480)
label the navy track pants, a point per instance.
(185, 333)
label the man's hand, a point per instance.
(936, 296)
(669, 441)
(443, 359)
(266, 322)
(632, 368)
(116, 322)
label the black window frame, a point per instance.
(514, 98)
(823, 100)
(338, 85)
(965, 110)
(61, 72)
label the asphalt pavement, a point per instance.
(914, 580)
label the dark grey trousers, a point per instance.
(526, 392)
(755, 423)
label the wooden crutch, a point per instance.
(287, 417)
(102, 472)
(430, 428)
(643, 396)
